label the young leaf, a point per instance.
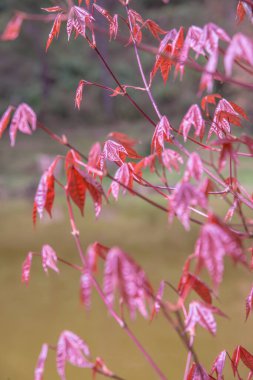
(184, 196)
(194, 168)
(124, 175)
(113, 152)
(78, 19)
(193, 118)
(240, 47)
(190, 282)
(197, 372)
(26, 268)
(5, 119)
(94, 251)
(218, 365)
(49, 258)
(55, 31)
(24, 120)
(85, 289)
(162, 133)
(209, 99)
(215, 241)
(249, 303)
(13, 28)
(76, 187)
(71, 348)
(40, 366)
(171, 159)
(123, 274)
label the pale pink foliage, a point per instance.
(26, 268)
(113, 151)
(49, 258)
(249, 303)
(86, 288)
(201, 314)
(123, 274)
(215, 241)
(171, 159)
(240, 47)
(40, 366)
(184, 196)
(123, 175)
(194, 118)
(194, 167)
(71, 348)
(24, 120)
(218, 365)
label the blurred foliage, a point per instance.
(48, 81)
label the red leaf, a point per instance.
(24, 120)
(94, 156)
(113, 151)
(197, 372)
(5, 119)
(239, 110)
(145, 162)
(71, 348)
(240, 12)
(123, 274)
(123, 139)
(55, 31)
(53, 9)
(209, 99)
(240, 353)
(159, 296)
(44, 197)
(193, 118)
(76, 187)
(154, 28)
(49, 258)
(188, 281)
(79, 93)
(40, 366)
(13, 28)
(221, 126)
(162, 133)
(26, 268)
(249, 303)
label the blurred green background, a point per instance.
(31, 316)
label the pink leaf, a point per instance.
(26, 268)
(193, 118)
(171, 159)
(240, 47)
(71, 348)
(123, 274)
(5, 119)
(184, 196)
(218, 365)
(221, 126)
(125, 176)
(249, 303)
(201, 314)
(40, 366)
(78, 20)
(162, 133)
(85, 289)
(194, 168)
(113, 152)
(24, 120)
(217, 240)
(13, 28)
(49, 258)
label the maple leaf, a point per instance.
(113, 151)
(191, 42)
(40, 366)
(123, 139)
(194, 167)
(76, 188)
(240, 47)
(13, 28)
(171, 159)
(201, 314)
(190, 282)
(44, 197)
(227, 151)
(218, 365)
(78, 19)
(154, 28)
(24, 120)
(85, 289)
(79, 93)
(148, 161)
(162, 133)
(184, 196)
(94, 156)
(71, 348)
(221, 125)
(94, 251)
(249, 303)
(5, 119)
(194, 118)
(55, 31)
(215, 241)
(240, 353)
(123, 274)
(26, 268)
(125, 176)
(197, 372)
(113, 21)
(209, 99)
(49, 258)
